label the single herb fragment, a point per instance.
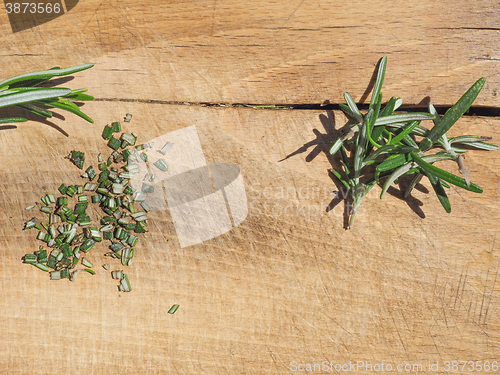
(173, 309)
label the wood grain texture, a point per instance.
(288, 284)
(269, 52)
(408, 284)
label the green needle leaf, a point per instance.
(395, 175)
(12, 119)
(449, 177)
(353, 107)
(370, 124)
(389, 107)
(414, 181)
(79, 95)
(407, 130)
(70, 107)
(378, 83)
(439, 190)
(31, 96)
(381, 151)
(445, 184)
(481, 145)
(36, 110)
(468, 138)
(339, 177)
(336, 146)
(392, 162)
(361, 145)
(348, 112)
(474, 141)
(404, 117)
(18, 90)
(409, 141)
(44, 75)
(452, 115)
(438, 157)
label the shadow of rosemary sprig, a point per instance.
(23, 91)
(388, 141)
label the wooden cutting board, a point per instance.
(289, 287)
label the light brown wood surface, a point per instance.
(408, 284)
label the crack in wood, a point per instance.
(485, 111)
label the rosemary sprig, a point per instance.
(23, 91)
(387, 141)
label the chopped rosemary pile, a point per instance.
(385, 145)
(68, 231)
(24, 91)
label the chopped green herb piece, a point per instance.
(62, 201)
(124, 284)
(73, 275)
(129, 190)
(140, 197)
(139, 216)
(63, 189)
(77, 158)
(31, 223)
(103, 176)
(87, 245)
(90, 173)
(116, 247)
(117, 214)
(173, 309)
(132, 240)
(42, 266)
(116, 127)
(125, 154)
(127, 254)
(64, 273)
(128, 139)
(140, 228)
(165, 148)
(107, 227)
(114, 143)
(107, 133)
(118, 188)
(30, 258)
(80, 207)
(108, 235)
(108, 219)
(161, 165)
(45, 200)
(117, 275)
(71, 190)
(146, 188)
(87, 263)
(117, 157)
